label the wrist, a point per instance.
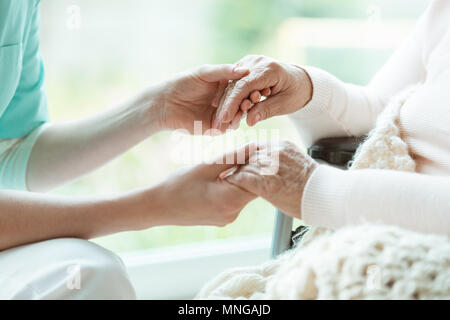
(140, 209)
(149, 108)
(304, 86)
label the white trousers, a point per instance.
(63, 269)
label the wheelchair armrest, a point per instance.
(335, 151)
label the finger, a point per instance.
(220, 91)
(255, 96)
(228, 172)
(237, 120)
(224, 127)
(222, 99)
(242, 90)
(215, 122)
(215, 73)
(246, 180)
(266, 92)
(264, 110)
(246, 105)
(229, 160)
(218, 128)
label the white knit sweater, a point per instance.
(419, 202)
(362, 262)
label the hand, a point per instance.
(194, 96)
(198, 196)
(286, 86)
(283, 187)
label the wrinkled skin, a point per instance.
(281, 184)
(287, 88)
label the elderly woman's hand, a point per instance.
(286, 86)
(277, 173)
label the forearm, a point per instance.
(336, 198)
(67, 150)
(27, 217)
(336, 109)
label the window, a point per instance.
(99, 53)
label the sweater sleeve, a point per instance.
(342, 109)
(335, 198)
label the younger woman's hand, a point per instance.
(199, 196)
(194, 96)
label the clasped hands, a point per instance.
(219, 96)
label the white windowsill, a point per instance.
(179, 272)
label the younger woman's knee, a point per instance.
(104, 276)
(91, 272)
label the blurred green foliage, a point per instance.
(239, 26)
(345, 9)
(249, 27)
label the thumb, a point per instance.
(265, 109)
(215, 73)
(229, 160)
(248, 181)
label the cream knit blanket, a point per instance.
(360, 262)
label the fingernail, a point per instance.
(235, 126)
(227, 173)
(231, 178)
(257, 118)
(215, 123)
(240, 70)
(225, 116)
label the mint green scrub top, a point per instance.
(23, 104)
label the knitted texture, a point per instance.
(358, 262)
(384, 148)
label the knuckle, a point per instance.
(260, 57)
(273, 65)
(287, 145)
(227, 219)
(252, 56)
(231, 218)
(270, 186)
(266, 113)
(241, 84)
(204, 68)
(221, 224)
